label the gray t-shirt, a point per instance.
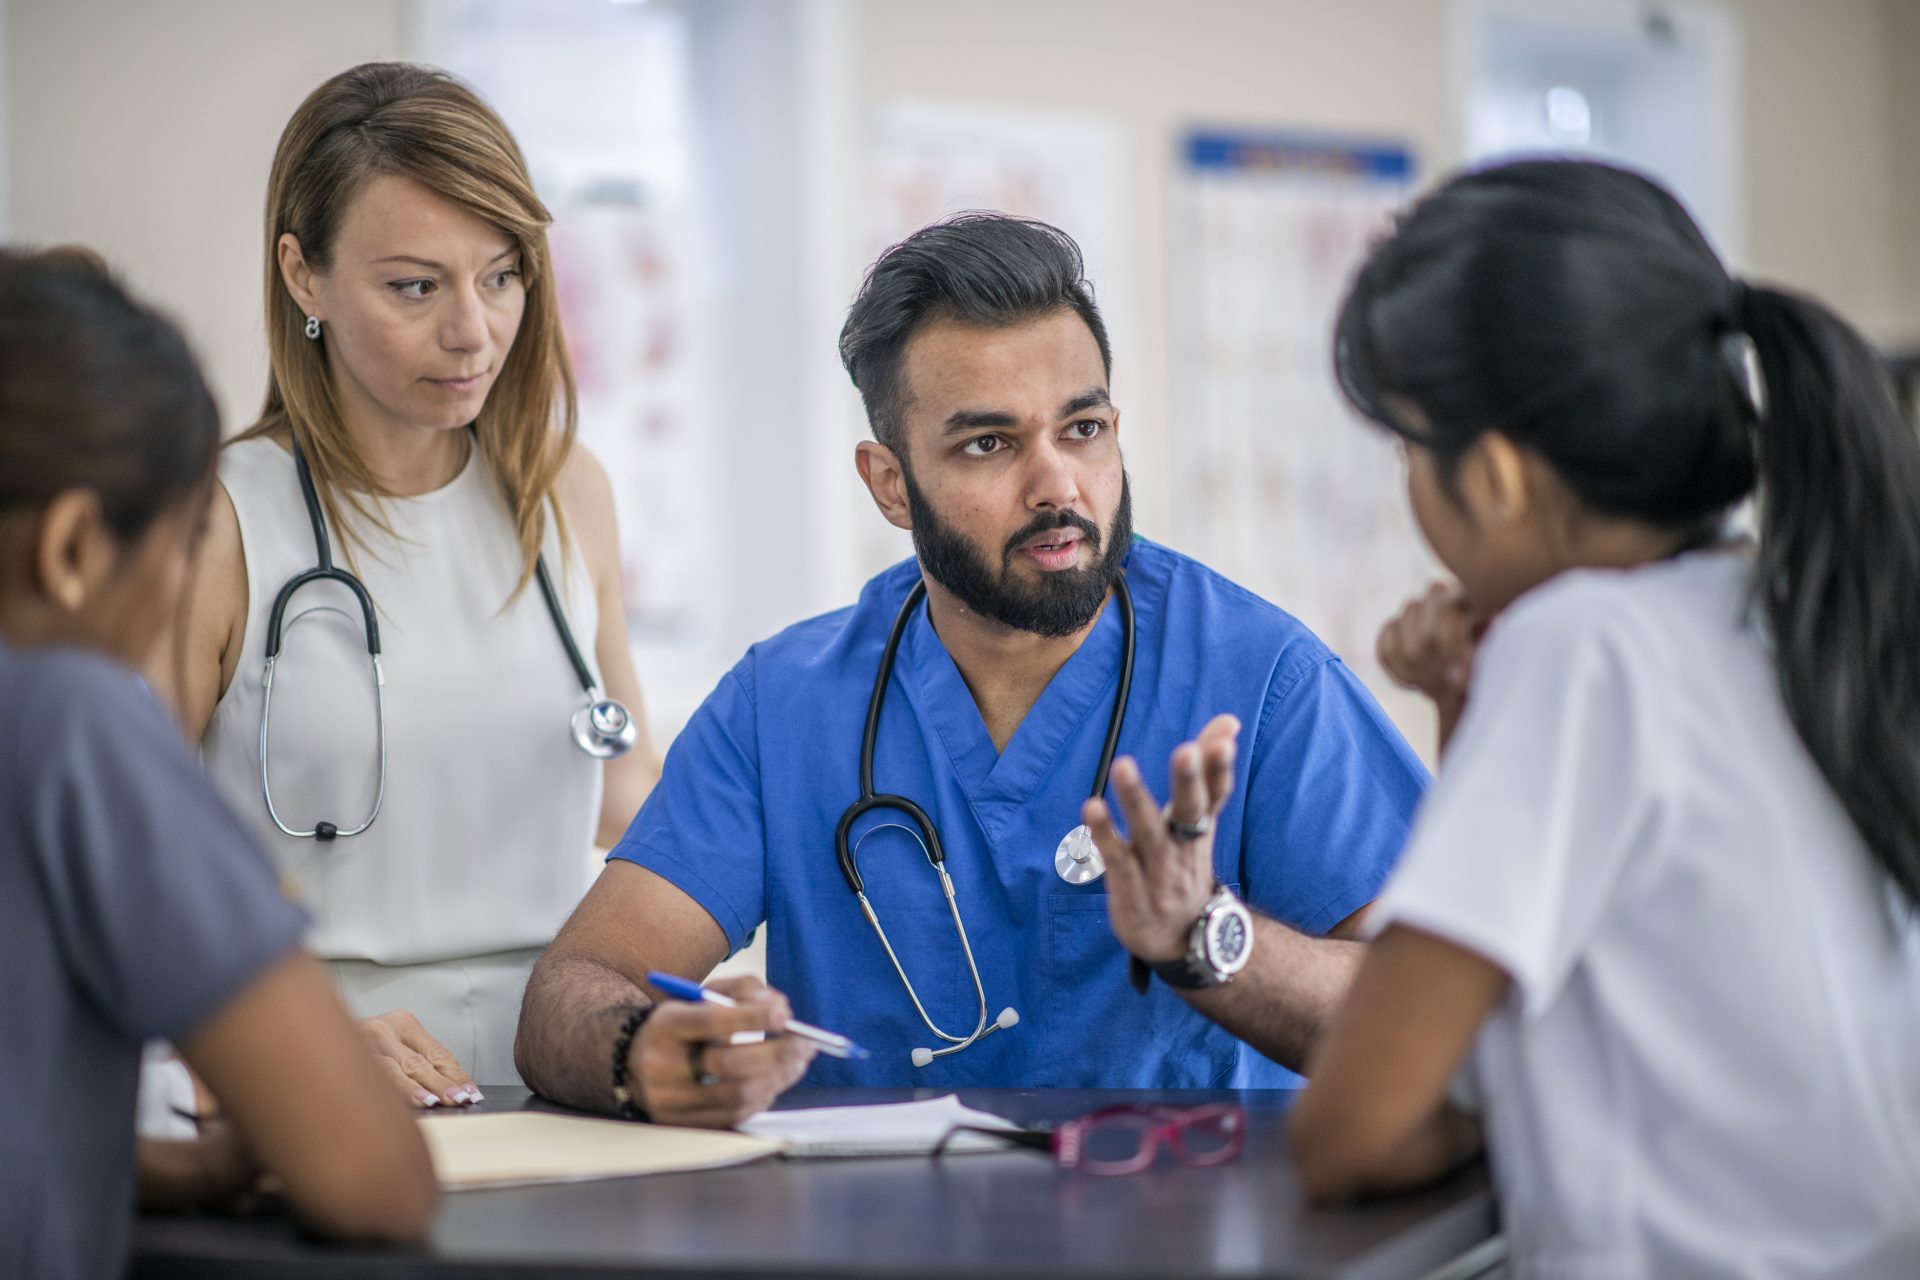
(132, 905)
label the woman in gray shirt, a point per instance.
(132, 904)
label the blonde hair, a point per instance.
(419, 123)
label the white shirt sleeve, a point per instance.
(1552, 780)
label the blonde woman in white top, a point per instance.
(418, 366)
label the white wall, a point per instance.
(1903, 74)
(146, 129)
(1824, 212)
(6, 24)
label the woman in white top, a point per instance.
(1660, 902)
(418, 372)
(1654, 934)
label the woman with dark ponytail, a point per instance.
(1655, 928)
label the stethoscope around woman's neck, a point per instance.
(1076, 860)
(603, 727)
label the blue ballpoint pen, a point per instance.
(836, 1046)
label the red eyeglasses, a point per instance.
(1127, 1138)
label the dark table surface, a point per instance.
(1004, 1215)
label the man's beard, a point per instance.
(1060, 604)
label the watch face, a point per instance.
(1229, 939)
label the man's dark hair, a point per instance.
(987, 269)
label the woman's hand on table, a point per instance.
(424, 1070)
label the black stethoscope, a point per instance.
(1076, 860)
(603, 727)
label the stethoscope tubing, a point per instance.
(615, 738)
(580, 669)
(870, 735)
(1123, 694)
(923, 829)
(266, 779)
(966, 949)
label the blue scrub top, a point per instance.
(743, 821)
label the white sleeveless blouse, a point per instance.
(482, 840)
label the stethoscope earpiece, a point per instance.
(1009, 1016)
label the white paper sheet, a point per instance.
(891, 1129)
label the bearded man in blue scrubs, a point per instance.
(984, 367)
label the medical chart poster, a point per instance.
(601, 100)
(1280, 485)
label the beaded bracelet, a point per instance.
(627, 1108)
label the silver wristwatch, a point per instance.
(1217, 946)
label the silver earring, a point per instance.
(313, 328)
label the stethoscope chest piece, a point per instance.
(604, 728)
(1077, 859)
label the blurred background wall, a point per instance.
(769, 147)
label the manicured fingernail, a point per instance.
(474, 1094)
(425, 1099)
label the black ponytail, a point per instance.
(1839, 565)
(1576, 309)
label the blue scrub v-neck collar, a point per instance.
(1084, 685)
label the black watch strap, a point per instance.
(1177, 974)
(1181, 975)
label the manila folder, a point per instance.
(514, 1148)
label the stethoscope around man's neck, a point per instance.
(1076, 860)
(603, 727)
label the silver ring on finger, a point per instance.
(697, 1065)
(1187, 832)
